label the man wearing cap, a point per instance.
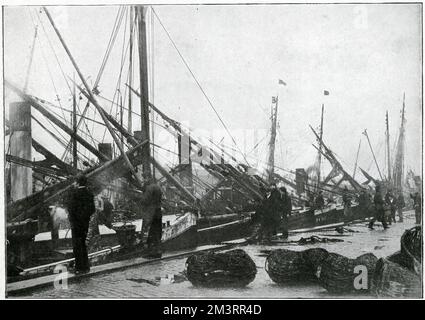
(152, 220)
(379, 209)
(80, 208)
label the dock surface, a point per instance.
(164, 278)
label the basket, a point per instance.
(314, 257)
(233, 268)
(368, 260)
(126, 234)
(288, 267)
(335, 273)
(411, 249)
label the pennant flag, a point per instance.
(282, 82)
(326, 92)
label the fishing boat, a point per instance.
(29, 208)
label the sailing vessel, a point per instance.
(118, 175)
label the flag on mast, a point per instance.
(282, 82)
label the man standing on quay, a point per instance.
(80, 208)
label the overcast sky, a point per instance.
(366, 56)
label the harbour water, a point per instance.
(165, 279)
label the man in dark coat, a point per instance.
(152, 220)
(80, 207)
(390, 202)
(417, 204)
(346, 200)
(379, 209)
(320, 201)
(272, 214)
(400, 204)
(286, 204)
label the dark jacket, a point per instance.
(80, 207)
(400, 202)
(377, 200)
(320, 201)
(152, 196)
(346, 199)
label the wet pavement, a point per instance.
(164, 279)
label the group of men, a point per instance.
(272, 213)
(386, 207)
(80, 203)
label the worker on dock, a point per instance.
(364, 203)
(257, 220)
(400, 204)
(379, 209)
(319, 202)
(80, 204)
(346, 200)
(390, 202)
(272, 215)
(152, 219)
(286, 209)
(106, 217)
(417, 205)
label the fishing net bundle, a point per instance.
(411, 249)
(233, 268)
(392, 280)
(337, 274)
(288, 267)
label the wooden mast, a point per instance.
(144, 89)
(74, 129)
(399, 158)
(130, 72)
(320, 148)
(94, 100)
(357, 159)
(387, 134)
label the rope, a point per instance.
(199, 85)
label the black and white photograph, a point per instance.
(215, 150)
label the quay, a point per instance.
(163, 278)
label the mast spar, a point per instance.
(144, 89)
(387, 135)
(398, 169)
(270, 162)
(320, 148)
(373, 154)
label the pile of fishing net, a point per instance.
(341, 275)
(400, 274)
(334, 272)
(395, 281)
(233, 268)
(290, 267)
